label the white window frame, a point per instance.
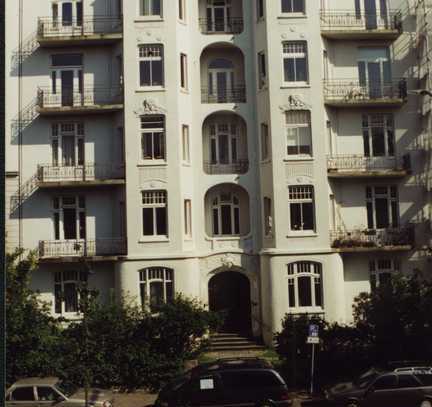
(151, 275)
(230, 130)
(182, 10)
(382, 267)
(313, 271)
(234, 204)
(262, 70)
(58, 20)
(302, 194)
(159, 130)
(184, 83)
(268, 216)
(149, 16)
(379, 120)
(67, 129)
(300, 51)
(188, 218)
(62, 278)
(154, 199)
(292, 12)
(392, 196)
(58, 207)
(260, 9)
(265, 142)
(186, 144)
(294, 121)
(143, 55)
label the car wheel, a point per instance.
(426, 403)
(352, 404)
(265, 404)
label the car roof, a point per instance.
(34, 381)
(232, 364)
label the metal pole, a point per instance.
(85, 325)
(312, 369)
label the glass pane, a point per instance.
(69, 223)
(157, 73)
(289, 73)
(82, 225)
(169, 291)
(46, 394)
(291, 293)
(390, 142)
(287, 6)
(161, 221)
(71, 297)
(80, 151)
(148, 222)
(298, 6)
(318, 293)
(226, 220)
(67, 14)
(215, 222)
(304, 291)
(378, 142)
(370, 218)
(366, 147)
(66, 60)
(234, 149)
(143, 293)
(79, 11)
(295, 215)
(57, 298)
(145, 73)
(156, 294)
(395, 214)
(237, 221)
(23, 394)
(382, 213)
(68, 150)
(308, 216)
(147, 146)
(301, 70)
(156, 11)
(158, 146)
(223, 149)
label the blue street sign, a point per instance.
(313, 331)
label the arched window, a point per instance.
(305, 286)
(156, 286)
(226, 214)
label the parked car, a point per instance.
(50, 391)
(403, 387)
(233, 382)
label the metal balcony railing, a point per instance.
(80, 173)
(238, 167)
(372, 238)
(350, 20)
(361, 163)
(236, 94)
(82, 247)
(351, 91)
(233, 25)
(50, 28)
(87, 97)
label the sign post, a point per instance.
(313, 339)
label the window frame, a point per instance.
(216, 130)
(304, 54)
(184, 80)
(187, 214)
(151, 6)
(293, 13)
(260, 9)
(58, 206)
(58, 132)
(160, 57)
(295, 128)
(216, 210)
(60, 281)
(157, 131)
(392, 196)
(186, 156)
(387, 122)
(268, 216)
(262, 70)
(265, 142)
(182, 14)
(377, 270)
(154, 205)
(150, 275)
(302, 189)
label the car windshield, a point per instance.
(66, 388)
(366, 378)
(425, 378)
(179, 381)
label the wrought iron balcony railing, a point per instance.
(352, 91)
(238, 167)
(91, 97)
(50, 28)
(80, 173)
(350, 20)
(360, 163)
(233, 25)
(351, 240)
(236, 94)
(82, 247)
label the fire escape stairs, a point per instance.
(27, 47)
(24, 192)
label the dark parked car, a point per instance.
(233, 382)
(407, 387)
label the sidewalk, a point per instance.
(140, 398)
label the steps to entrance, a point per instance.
(231, 342)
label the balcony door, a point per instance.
(218, 16)
(69, 218)
(68, 144)
(223, 144)
(70, 84)
(221, 81)
(375, 72)
(375, 13)
(68, 13)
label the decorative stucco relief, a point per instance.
(149, 106)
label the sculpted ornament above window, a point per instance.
(295, 103)
(149, 106)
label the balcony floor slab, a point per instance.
(79, 40)
(354, 35)
(78, 110)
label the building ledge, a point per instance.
(353, 103)
(77, 259)
(79, 40)
(360, 34)
(368, 174)
(402, 248)
(76, 184)
(77, 110)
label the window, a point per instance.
(47, 394)
(260, 8)
(224, 143)
(299, 137)
(185, 144)
(305, 285)
(382, 207)
(301, 203)
(378, 135)
(23, 394)
(268, 218)
(295, 61)
(293, 6)
(69, 213)
(262, 70)
(156, 286)
(183, 71)
(226, 215)
(67, 143)
(407, 381)
(188, 217)
(153, 137)
(66, 290)
(151, 65)
(385, 382)
(381, 271)
(264, 141)
(150, 8)
(154, 209)
(182, 10)
(66, 60)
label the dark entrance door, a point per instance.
(67, 88)
(229, 292)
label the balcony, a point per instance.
(372, 240)
(351, 93)
(350, 25)
(358, 166)
(77, 249)
(233, 25)
(238, 167)
(51, 176)
(237, 94)
(90, 30)
(90, 100)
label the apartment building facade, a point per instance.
(261, 156)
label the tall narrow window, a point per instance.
(295, 61)
(301, 204)
(226, 215)
(188, 218)
(382, 206)
(381, 272)
(151, 65)
(153, 137)
(293, 6)
(66, 291)
(265, 142)
(224, 143)
(268, 218)
(156, 287)
(182, 10)
(150, 7)
(262, 70)
(378, 135)
(299, 137)
(183, 71)
(185, 144)
(154, 213)
(69, 218)
(68, 146)
(305, 291)
(260, 8)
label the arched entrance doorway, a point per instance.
(229, 292)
